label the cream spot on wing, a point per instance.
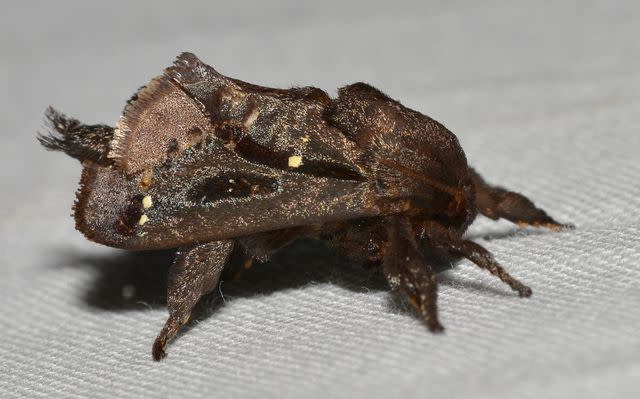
(147, 202)
(143, 219)
(305, 139)
(295, 161)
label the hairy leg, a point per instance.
(407, 271)
(440, 236)
(261, 246)
(496, 202)
(194, 273)
(362, 240)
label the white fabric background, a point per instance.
(545, 100)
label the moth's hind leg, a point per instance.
(194, 273)
(439, 236)
(80, 141)
(407, 272)
(496, 202)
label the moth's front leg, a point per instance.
(407, 271)
(194, 273)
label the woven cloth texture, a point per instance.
(545, 99)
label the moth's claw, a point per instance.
(429, 315)
(567, 226)
(555, 226)
(435, 327)
(158, 349)
(524, 292)
(169, 331)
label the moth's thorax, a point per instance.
(415, 179)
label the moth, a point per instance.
(209, 165)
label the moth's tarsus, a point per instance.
(209, 164)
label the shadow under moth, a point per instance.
(210, 165)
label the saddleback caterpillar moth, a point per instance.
(208, 165)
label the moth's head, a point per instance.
(108, 208)
(158, 123)
(102, 194)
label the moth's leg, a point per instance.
(497, 202)
(363, 240)
(261, 246)
(440, 236)
(407, 271)
(194, 273)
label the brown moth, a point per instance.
(208, 165)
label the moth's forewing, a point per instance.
(209, 193)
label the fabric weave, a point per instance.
(544, 98)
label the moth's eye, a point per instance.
(231, 186)
(129, 218)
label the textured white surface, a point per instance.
(545, 100)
